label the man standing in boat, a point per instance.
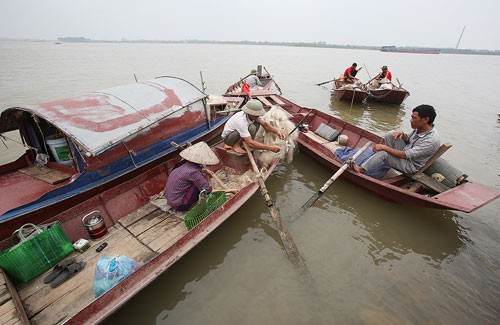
(243, 126)
(407, 152)
(350, 73)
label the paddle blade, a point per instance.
(325, 82)
(311, 201)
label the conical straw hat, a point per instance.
(200, 153)
(254, 107)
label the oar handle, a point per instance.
(325, 82)
(343, 168)
(298, 124)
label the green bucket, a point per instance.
(204, 208)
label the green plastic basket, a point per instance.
(33, 256)
(204, 208)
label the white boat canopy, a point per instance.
(100, 119)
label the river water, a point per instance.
(372, 261)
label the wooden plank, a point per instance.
(137, 215)
(13, 322)
(149, 221)
(164, 234)
(162, 243)
(264, 101)
(442, 149)
(430, 182)
(4, 294)
(277, 100)
(49, 175)
(8, 312)
(44, 303)
(21, 316)
(59, 310)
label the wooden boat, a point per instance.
(395, 95)
(418, 190)
(354, 93)
(105, 139)
(139, 230)
(266, 79)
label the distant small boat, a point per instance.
(57, 43)
(265, 78)
(395, 95)
(349, 92)
(449, 189)
(404, 49)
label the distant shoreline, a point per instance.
(292, 44)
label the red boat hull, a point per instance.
(354, 94)
(390, 96)
(466, 197)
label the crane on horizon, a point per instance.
(460, 38)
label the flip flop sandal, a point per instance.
(67, 273)
(58, 269)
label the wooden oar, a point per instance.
(286, 238)
(325, 82)
(329, 182)
(364, 85)
(368, 73)
(298, 124)
(275, 83)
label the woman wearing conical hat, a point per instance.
(186, 180)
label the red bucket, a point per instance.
(95, 225)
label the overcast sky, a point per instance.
(432, 23)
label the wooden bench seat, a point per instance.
(425, 179)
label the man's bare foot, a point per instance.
(352, 166)
(238, 149)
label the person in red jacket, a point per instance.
(384, 74)
(350, 73)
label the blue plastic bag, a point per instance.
(345, 153)
(111, 270)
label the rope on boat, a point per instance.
(4, 137)
(390, 90)
(382, 95)
(131, 153)
(35, 118)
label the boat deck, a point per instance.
(9, 312)
(141, 235)
(334, 145)
(27, 184)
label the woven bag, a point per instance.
(35, 255)
(204, 208)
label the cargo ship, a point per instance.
(405, 49)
